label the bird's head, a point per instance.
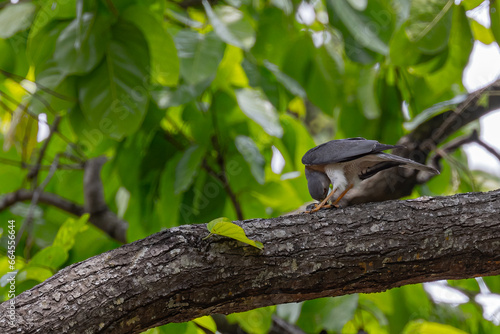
(318, 184)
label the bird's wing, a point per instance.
(371, 164)
(343, 150)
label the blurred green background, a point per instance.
(191, 102)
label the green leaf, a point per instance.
(471, 4)
(52, 257)
(493, 283)
(40, 50)
(10, 178)
(315, 70)
(78, 52)
(460, 45)
(254, 104)
(358, 4)
(182, 94)
(223, 226)
(164, 60)
(430, 24)
(230, 73)
(481, 33)
(48, 12)
(293, 86)
(427, 327)
(179, 328)
(466, 284)
(433, 111)
(188, 167)
(290, 311)
(250, 152)
(199, 55)
(32, 272)
(366, 92)
(402, 51)
(359, 27)
(15, 18)
(258, 321)
(231, 25)
(53, 78)
(113, 97)
(169, 201)
(327, 313)
(495, 19)
(8, 59)
(206, 322)
(65, 237)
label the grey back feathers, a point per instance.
(343, 150)
(357, 158)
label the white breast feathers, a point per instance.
(335, 173)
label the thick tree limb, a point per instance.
(175, 275)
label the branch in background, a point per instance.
(399, 182)
(22, 195)
(329, 253)
(488, 148)
(452, 146)
(100, 215)
(95, 203)
(56, 201)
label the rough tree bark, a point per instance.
(175, 275)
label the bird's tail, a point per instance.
(407, 163)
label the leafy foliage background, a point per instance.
(192, 100)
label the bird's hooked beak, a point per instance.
(318, 184)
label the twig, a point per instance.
(33, 173)
(455, 144)
(222, 165)
(35, 198)
(221, 177)
(19, 78)
(35, 117)
(488, 148)
(23, 165)
(445, 152)
(452, 146)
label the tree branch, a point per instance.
(95, 204)
(175, 275)
(102, 221)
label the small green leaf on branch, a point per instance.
(223, 226)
